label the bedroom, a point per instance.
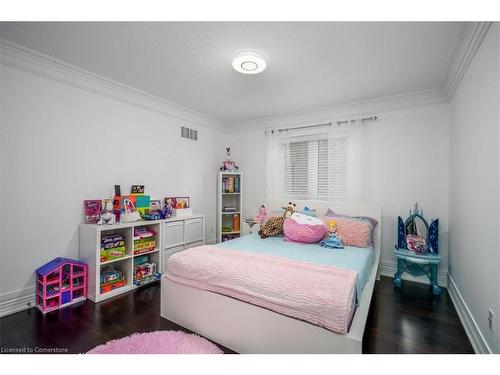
(281, 187)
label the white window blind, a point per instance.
(313, 167)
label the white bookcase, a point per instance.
(229, 198)
(172, 235)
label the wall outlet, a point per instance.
(490, 319)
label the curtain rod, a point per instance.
(338, 123)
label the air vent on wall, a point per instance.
(189, 133)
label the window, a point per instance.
(313, 167)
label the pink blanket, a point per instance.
(321, 295)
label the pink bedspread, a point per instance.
(321, 295)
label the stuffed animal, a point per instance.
(274, 226)
(333, 241)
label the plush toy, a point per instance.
(262, 216)
(107, 214)
(228, 165)
(333, 241)
(274, 226)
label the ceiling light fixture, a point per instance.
(249, 62)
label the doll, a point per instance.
(333, 240)
(262, 216)
(107, 214)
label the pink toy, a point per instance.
(262, 216)
(303, 229)
(60, 283)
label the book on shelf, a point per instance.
(231, 184)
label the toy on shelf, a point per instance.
(262, 215)
(144, 240)
(168, 209)
(60, 283)
(154, 205)
(112, 247)
(107, 214)
(145, 271)
(333, 241)
(112, 279)
(180, 206)
(92, 210)
(129, 213)
(161, 214)
(228, 165)
(142, 203)
(137, 190)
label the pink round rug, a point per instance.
(159, 342)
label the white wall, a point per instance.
(61, 145)
(474, 186)
(409, 156)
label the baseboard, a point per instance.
(472, 330)
(388, 268)
(16, 301)
(211, 241)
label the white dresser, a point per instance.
(181, 233)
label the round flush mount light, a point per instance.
(249, 62)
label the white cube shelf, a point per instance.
(172, 235)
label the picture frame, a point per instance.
(137, 190)
(178, 202)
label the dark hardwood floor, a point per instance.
(410, 320)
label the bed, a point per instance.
(248, 328)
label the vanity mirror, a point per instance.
(416, 234)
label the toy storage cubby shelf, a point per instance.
(229, 204)
(90, 253)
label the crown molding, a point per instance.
(466, 42)
(339, 112)
(29, 60)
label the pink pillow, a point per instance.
(298, 231)
(358, 233)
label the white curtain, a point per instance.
(274, 171)
(359, 169)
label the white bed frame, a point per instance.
(246, 328)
